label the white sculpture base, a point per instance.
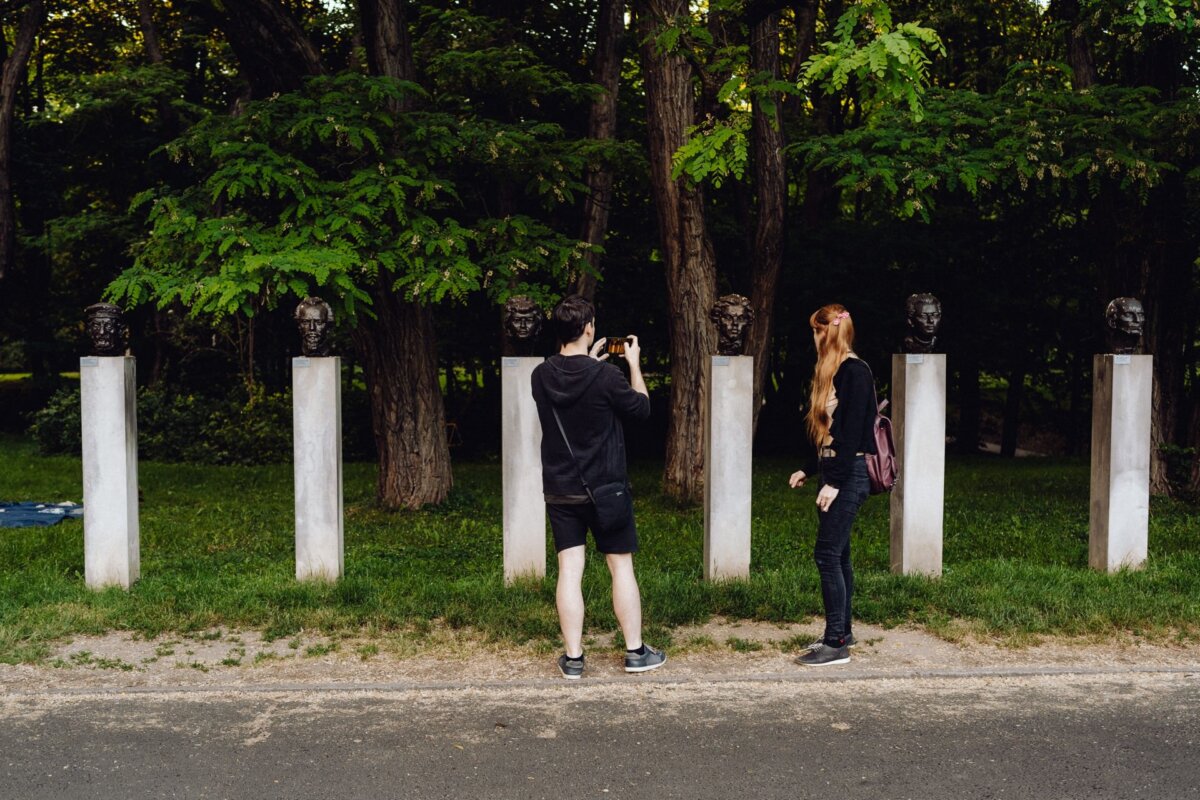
(317, 436)
(918, 411)
(729, 447)
(521, 448)
(108, 395)
(1120, 494)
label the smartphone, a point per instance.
(616, 345)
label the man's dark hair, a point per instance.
(570, 317)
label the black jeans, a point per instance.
(832, 551)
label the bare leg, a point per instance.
(627, 600)
(569, 596)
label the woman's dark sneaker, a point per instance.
(651, 659)
(571, 668)
(823, 656)
(850, 642)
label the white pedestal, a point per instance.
(317, 434)
(919, 428)
(728, 447)
(521, 447)
(108, 394)
(1120, 504)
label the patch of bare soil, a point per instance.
(717, 651)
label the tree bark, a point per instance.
(408, 417)
(399, 347)
(770, 179)
(10, 79)
(274, 52)
(602, 126)
(687, 251)
(1079, 49)
(1012, 413)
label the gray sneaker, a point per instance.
(571, 668)
(651, 659)
(823, 656)
(850, 642)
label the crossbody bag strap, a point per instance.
(578, 466)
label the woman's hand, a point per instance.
(826, 496)
(798, 478)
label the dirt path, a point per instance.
(718, 651)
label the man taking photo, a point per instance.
(581, 403)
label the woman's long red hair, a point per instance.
(835, 341)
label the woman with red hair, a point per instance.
(841, 416)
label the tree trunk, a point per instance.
(10, 79)
(687, 251)
(399, 347)
(770, 178)
(1079, 49)
(274, 52)
(969, 408)
(408, 417)
(602, 126)
(1012, 413)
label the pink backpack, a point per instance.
(881, 466)
(882, 469)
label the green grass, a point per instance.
(217, 551)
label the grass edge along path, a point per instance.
(216, 550)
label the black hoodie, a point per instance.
(592, 398)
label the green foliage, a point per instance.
(1034, 133)
(887, 62)
(1181, 14)
(328, 190)
(715, 151)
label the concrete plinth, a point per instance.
(728, 447)
(1120, 504)
(108, 395)
(521, 446)
(317, 434)
(918, 411)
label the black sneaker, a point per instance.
(651, 659)
(823, 656)
(571, 668)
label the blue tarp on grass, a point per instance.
(33, 515)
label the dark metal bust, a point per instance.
(733, 314)
(924, 315)
(1124, 320)
(314, 318)
(522, 321)
(107, 329)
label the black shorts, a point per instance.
(570, 524)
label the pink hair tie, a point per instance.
(841, 316)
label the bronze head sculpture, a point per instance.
(1124, 320)
(522, 321)
(106, 329)
(924, 316)
(733, 315)
(314, 318)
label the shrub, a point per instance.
(183, 427)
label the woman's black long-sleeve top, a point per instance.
(853, 424)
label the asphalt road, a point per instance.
(1124, 736)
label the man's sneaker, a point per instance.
(571, 668)
(850, 642)
(651, 659)
(823, 656)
